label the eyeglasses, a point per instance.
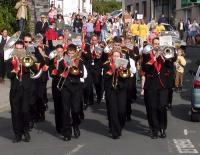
(28, 41)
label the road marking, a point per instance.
(185, 131)
(76, 149)
(185, 146)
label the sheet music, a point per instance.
(121, 62)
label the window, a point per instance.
(144, 5)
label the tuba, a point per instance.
(8, 48)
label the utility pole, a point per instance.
(123, 6)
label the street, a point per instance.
(183, 136)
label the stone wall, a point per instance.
(37, 7)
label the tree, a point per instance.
(8, 16)
(106, 6)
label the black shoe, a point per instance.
(77, 132)
(180, 89)
(115, 137)
(85, 106)
(98, 101)
(17, 139)
(162, 133)
(27, 137)
(67, 138)
(82, 116)
(154, 135)
(169, 106)
(31, 125)
(128, 118)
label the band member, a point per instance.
(156, 91)
(42, 99)
(131, 81)
(71, 69)
(21, 92)
(53, 72)
(115, 94)
(94, 61)
(28, 44)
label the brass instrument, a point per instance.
(69, 69)
(26, 60)
(8, 48)
(124, 73)
(115, 80)
(167, 52)
(74, 70)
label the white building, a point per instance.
(70, 6)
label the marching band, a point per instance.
(83, 73)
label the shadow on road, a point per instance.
(95, 126)
(6, 128)
(181, 111)
(47, 127)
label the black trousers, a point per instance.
(57, 105)
(116, 104)
(97, 84)
(131, 94)
(2, 66)
(71, 103)
(41, 98)
(170, 95)
(20, 106)
(156, 102)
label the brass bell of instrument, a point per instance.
(74, 70)
(124, 73)
(27, 61)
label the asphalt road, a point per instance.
(183, 136)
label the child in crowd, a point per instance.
(179, 65)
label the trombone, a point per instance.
(74, 70)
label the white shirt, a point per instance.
(132, 67)
(85, 74)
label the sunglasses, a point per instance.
(28, 41)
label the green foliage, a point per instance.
(8, 17)
(106, 6)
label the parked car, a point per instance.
(195, 95)
(115, 14)
(170, 31)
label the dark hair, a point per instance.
(59, 46)
(72, 47)
(117, 39)
(4, 29)
(28, 35)
(61, 35)
(19, 42)
(155, 39)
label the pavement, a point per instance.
(182, 134)
(4, 95)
